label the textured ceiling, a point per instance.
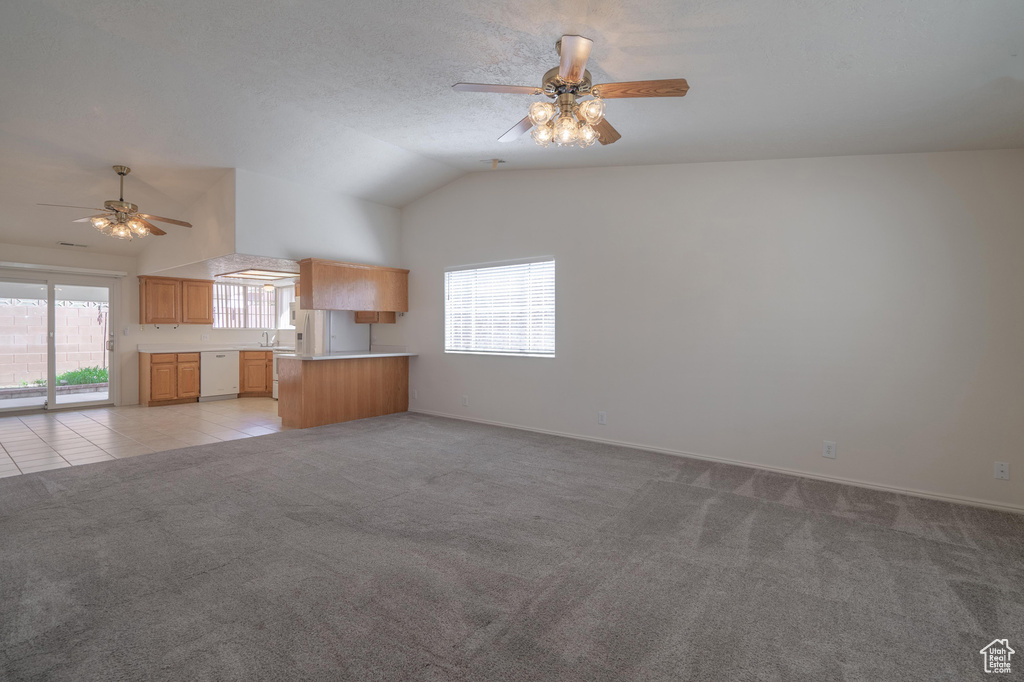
(215, 268)
(355, 96)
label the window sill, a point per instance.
(506, 354)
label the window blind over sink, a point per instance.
(506, 308)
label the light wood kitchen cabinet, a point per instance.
(333, 285)
(375, 317)
(188, 375)
(170, 300)
(168, 378)
(164, 377)
(255, 373)
(196, 301)
(159, 300)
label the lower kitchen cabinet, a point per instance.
(163, 378)
(172, 378)
(256, 373)
(168, 378)
(188, 375)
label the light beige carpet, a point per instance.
(415, 548)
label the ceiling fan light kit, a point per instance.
(570, 120)
(121, 219)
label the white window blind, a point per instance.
(503, 309)
(243, 306)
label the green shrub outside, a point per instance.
(83, 375)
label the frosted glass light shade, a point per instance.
(541, 112)
(587, 135)
(543, 134)
(566, 130)
(592, 111)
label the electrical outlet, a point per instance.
(204, 337)
(415, 394)
(829, 449)
(465, 401)
(602, 418)
(126, 331)
(1003, 471)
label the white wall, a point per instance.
(750, 310)
(212, 233)
(282, 219)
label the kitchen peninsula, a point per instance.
(335, 375)
(325, 389)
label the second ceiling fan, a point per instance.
(569, 119)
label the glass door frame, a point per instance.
(41, 282)
(51, 280)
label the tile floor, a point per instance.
(38, 442)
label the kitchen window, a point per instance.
(243, 306)
(504, 308)
(285, 297)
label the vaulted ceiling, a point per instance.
(354, 97)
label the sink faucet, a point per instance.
(266, 339)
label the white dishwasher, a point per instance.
(218, 374)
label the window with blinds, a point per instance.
(243, 306)
(506, 309)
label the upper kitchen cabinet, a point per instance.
(169, 300)
(159, 300)
(196, 301)
(331, 285)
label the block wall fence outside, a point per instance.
(81, 333)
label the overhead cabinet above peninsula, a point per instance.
(332, 285)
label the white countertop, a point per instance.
(217, 348)
(347, 355)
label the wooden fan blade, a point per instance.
(575, 51)
(87, 208)
(673, 87)
(85, 220)
(153, 229)
(606, 134)
(485, 87)
(517, 130)
(172, 221)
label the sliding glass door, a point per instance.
(56, 341)
(23, 344)
(82, 335)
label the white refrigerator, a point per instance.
(323, 332)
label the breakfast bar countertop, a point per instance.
(346, 355)
(199, 348)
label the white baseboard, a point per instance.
(1015, 509)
